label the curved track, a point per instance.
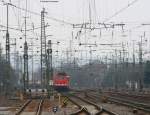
(125, 102)
(88, 107)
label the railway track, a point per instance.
(34, 106)
(88, 107)
(140, 106)
(136, 97)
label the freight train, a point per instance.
(61, 81)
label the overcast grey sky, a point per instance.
(77, 11)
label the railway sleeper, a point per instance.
(125, 102)
(89, 102)
(83, 110)
(101, 109)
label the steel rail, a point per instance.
(23, 107)
(128, 94)
(140, 106)
(101, 110)
(39, 109)
(82, 109)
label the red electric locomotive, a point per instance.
(61, 81)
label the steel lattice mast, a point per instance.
(7, 52)
(43, 49)
(49, 69)
(26, 78)
(7, 41)
(26, 74)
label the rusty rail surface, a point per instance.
(39, 109)
(125, 102)
(101, 110)
(37, 112)
(23, 107)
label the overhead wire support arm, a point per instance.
(21, 30)
(96, 26)
(48, 1)
(103, 25)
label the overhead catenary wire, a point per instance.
(39, 28)
(38, 14)
(2, 26)
(121, 10)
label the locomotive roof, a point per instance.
(62, 74)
